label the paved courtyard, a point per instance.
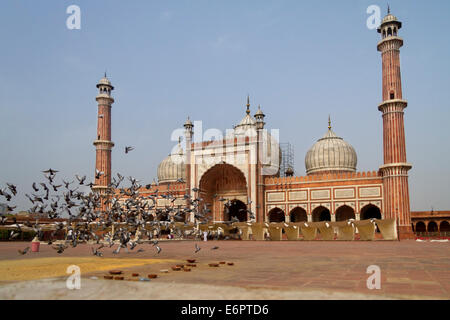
(261, 270)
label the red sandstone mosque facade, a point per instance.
(241, 171)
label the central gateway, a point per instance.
(223, 189)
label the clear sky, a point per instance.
(301, 60)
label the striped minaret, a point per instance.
(395, 168)
(103, 143)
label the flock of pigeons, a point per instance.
(135, 215)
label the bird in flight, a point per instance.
(5, 194)
(50, 171)
(80, 179)
(128, 149)
(35, 188)
(98, 174)
(12, 188)
(13, 235)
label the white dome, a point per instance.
(173, 167)
(104, 81)
(246, 126)
(330, 153)
(389, 18)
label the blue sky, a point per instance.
(301, 60)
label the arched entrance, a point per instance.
(420, 227)
(180, 218)
(220, 185)
(162, 215)
(298, 214)
(235, 208)
(344, 213)
(321, 214)
(432, 226)
(444, 226)
(276, 215)
(369, 212)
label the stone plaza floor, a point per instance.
(261, 270)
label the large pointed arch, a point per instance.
(219, 185)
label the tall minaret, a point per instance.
(188, 126)
(395, 168)
(260, 203)
(103, 143)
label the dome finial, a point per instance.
(248, 104)
(389, 9)
(329, 122)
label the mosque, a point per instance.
(239, 175)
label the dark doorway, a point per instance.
(344, 213)
(276, 215)
(321, 214)
(444, 226)
(237, 209)
(432, 226)
(420, 227)
(369, 212)
(298, 214)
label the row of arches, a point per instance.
(321, 213)
(387, 32)
(432, 226)
(105, 90)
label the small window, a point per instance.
(392, 95)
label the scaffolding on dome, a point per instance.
(287, 159)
